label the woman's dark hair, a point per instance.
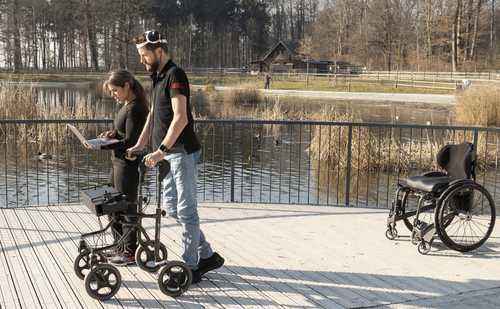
(119, 78)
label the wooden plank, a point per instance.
(56, 219)
(342, 287)
(211, 296)
(278, 292)
(274, 246)
(349, 292)
(58, 242)
(22, 280)
(37, 270)
(169, 229)
(238, 296)
(68, 297)
(9, 294)
(232, 238)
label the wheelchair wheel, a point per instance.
(410, 203)
(145, 256)
(424, 247)
(391, 233)
(103, 281)
(175, 278)
(82, 263)
(466, 217)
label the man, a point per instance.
(268, 81)
(171, 125)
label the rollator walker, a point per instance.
(103, 280)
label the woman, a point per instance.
(128, 125)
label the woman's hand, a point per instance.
(107, 134)
(88, 146)
(132, 151)
(153, 158)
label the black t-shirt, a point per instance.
(172, 81)
(128, 125)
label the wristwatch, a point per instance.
(163, 148)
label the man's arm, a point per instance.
(179, 122)
(146, 131)
(145, 135)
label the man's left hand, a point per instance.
(153, 158)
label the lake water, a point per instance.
(240, 162)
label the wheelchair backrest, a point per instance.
(458, 160)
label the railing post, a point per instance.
(475, 142)
(232, 162)
(348, 174)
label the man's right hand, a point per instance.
(107, 134)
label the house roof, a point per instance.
(280, 43)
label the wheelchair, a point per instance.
(450, 205)
(103, 280)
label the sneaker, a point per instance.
(196, 276)
(123, 259)
(211, 263)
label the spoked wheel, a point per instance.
(466, 217)
(145, 256)
(82, 263)
(175, 278)
(103, 281)
(410, 203)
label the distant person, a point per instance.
(171, 125)
(267, 85)
(128, 125)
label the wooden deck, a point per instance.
(276, 257)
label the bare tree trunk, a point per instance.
(44, 48)
(468, 15)
(492, 34)
(417, 19)
(16, 35)
(35, 39)
(428, 22)
(455, 34)
(90, 25)
(83, 51)
(476, 25)
(60, 42)
(107, 55)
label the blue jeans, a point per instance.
(179, 196)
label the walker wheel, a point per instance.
(103, 281)
(83, 263)
(145, 256)
(391, 233)
(175, 278)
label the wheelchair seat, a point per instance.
(456, 160)
(428, 183)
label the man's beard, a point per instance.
(153, 67)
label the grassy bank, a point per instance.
(318, 84)
(278, 82)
